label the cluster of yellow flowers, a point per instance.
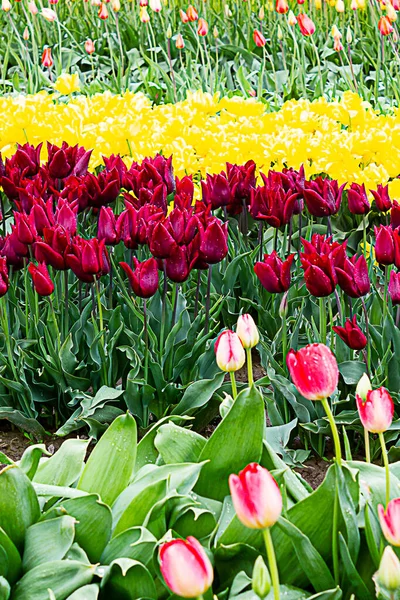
(345, 139)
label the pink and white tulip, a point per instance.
(186, 568)
(256, 497)
(229, 351)
(247, 331)
(390, 521)
(314, 371)
(376, 412)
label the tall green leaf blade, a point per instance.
(10, 563)
(65, 466)
(48, 541)
(61, 576)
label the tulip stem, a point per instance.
(335, 433)
(386, 463)
(249, 367)
(367, 335)
(335, 552)
(365, 236)
(233, 382)
(146, 340)
(367, 448)
(66, 305)
(207, 320)
(322, 320)
(272, 562)
(163, 311)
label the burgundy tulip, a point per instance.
(144, 279)
(384, 245)
(394, 287)
(88, 259)
(357, 199)
(3, 276)
(42, 214)
(216, 191)
(352, 273)
(351, 334)
(162, 244)
(213, 242)
(54, 247)
(395, 215)
(178, 264)
(66, 214)
(271, 203)
(25, 228)
(273, 273)
(381, 196)
(107, 230)
(319, 270)
(67, 160)
(27, 158)
(322, 196)
(41, 279)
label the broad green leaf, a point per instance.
(314, 565)
(5, 589)
(177, 444)
(10, 562)
(77, 553)
(48, 541)
(65, 466)
(57, 491)
(30, 459)
(61, 576)
(136, 543)
(19, 506)
(128, 579)
(87, 592)
(198, 394)
(137, 510)
(372, 482)
(358, 586)
(334, 594)
(110, 467)
(242, 429)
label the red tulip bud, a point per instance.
(186, 567)
(144, 279)
(351, 334)
(376, 412)
(306, 25)
(314, 371)
(259, 39)
(390, 521)
(41, 279)
(47, 60)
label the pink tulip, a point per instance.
(314, 371)
(376, 412)
(186, 567)
(256, 497)
(390, 521)
(229, 351)
(247, 331)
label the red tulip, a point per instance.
(273, 273)
(357, 199)
(319, 272)
(394, 287)
(144, 279)
(216, 191)
(202, 28)
(186, 567)
(314, 371)
(88, 259)
(381, 196)
(25, 228)
(322, 196)
(395, 215)
(256, 497)
(47, 60)
(41, 279)
(229, 351)
(390, 521)
(103, 12)
(66, 215)
(191, 13)
(351, 334)
(162, 243)
(107, 226)
(306, 25)
(259, 39)
(384, 245)
(213, 242)
(376, 412)
(67, 160)
(272, 203)
(3, 276)
(385, 26)
(54, 248)
(282, 6)
(352, 273)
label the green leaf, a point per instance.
(357, 584)
(61, 576)
(137, 510)
(335, 594)
(10, 563)
(64, 467)
(310, 559)
(19, 506)
(198, 394)
(136, 543)
(87, 592)
(5, 589)
(352, 371)
(128, 579)
(111, 465)
(242, 428)
(177, 444)
(30, 459)
(48, 541)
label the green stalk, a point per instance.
(273, 567)
(386, 463)
(335, 548)
(335, 433)
(233, 383)
(367, 448)
(322, 320)
(249, 367)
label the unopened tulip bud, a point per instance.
(349, 36)
(49, 14)
(261, 581)
(144, 15)
(169, 32)
(363, 387)
(227, 11)
(261, 14)
(202, 28)
(376, 412)
(179, 42)
(186, 567)
(259, 39)
(391, 13)
(47, 60)
(390, 521)
(337, 45)
(215, 33)
(335, 32)
(387, 579)
(6, 5)
(103, 12)
(247, 331)
(284, 305)
(279, 33)
(339, 6)
(314, 371)
(25, 35)
(229, 352)
(291, 19)
(89, 46)
(183, 16)
(226, 405)
(33, 9)
(385, 26)
(256, 497)
(116, 5)
(192, 13)
(354, 5)
(155, 5)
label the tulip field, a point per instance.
(199, 300)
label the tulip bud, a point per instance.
(89, 46)
(279, 33)
(314, 371)
(144, 15)
(25, 35)
(186, 567)
(47, 60)
(256, 497)
(215, 32)
(144, 280)
(247, 331)
(354, 5)
(261, 581)
(390, 521)
(227, 11)
(226, 405)
(192, 13)
(41, 279)
(116, 5)
(363, 387)
(229, 352)
(259, 39)
(306, 25)
(335, 32)
(103, 12)
(6, 5)
(339, 6)
(179, 42)
(33, 9)
(387, 579)
(169, 32)
(291, 19)
(284, 305)
(281, 7)
(49, 14)
(261, 14)
(376, 412)
(202, 28)
(391, 13)
(183, 16)
(349, 36)
(155, 5)
(385, 26)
